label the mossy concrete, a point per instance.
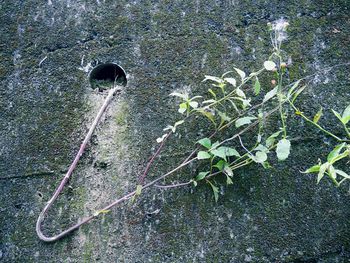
(47, 48)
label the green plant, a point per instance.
(235, 105)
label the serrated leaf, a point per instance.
(232, 81)
(283, 149)
(212, 78)
(313, 169)
(201, 176)
(335, 152)
(317, 116)
(321, 172)
(241, 73)
(270, 94)
(269, 65)
(243, 121)
(257, 86)
(206, 142)
(203, 155)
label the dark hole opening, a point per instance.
(105, 76)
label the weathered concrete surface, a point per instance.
(46, 105)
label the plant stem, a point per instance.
(313, 123)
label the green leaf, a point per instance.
(313, 169)
(215, 144)
(219, 152)
(283, 149)
(137, 193)
(257, 86)
(223, 116)
(201, 176)
(208, 114)
(182, 107)
(240, 93)
(194, 104)
(297, 93)
(215, 191)
(269, 65)
(346, 115)
(335, 152)
(220, 165)
(331, 172)
(212, 78)
(228, 170)
(232, 81)
(203, 155)
(138, 189)
(337, 115)
(243, 121)
(342, 173)
(208, 101)
(270, 94)
(206, 142)
(271, 140)
(240, 73)
(260, 157)
(212, 93)
(230, 151)
(261, 148)
(323, 169)
(103, 211)
(228, 180)
(291, 90)
(317, 116)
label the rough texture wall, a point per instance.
(46, 106)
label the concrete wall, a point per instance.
(46, 106)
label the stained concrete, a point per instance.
(46, 51)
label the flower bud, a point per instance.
(273, 82)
